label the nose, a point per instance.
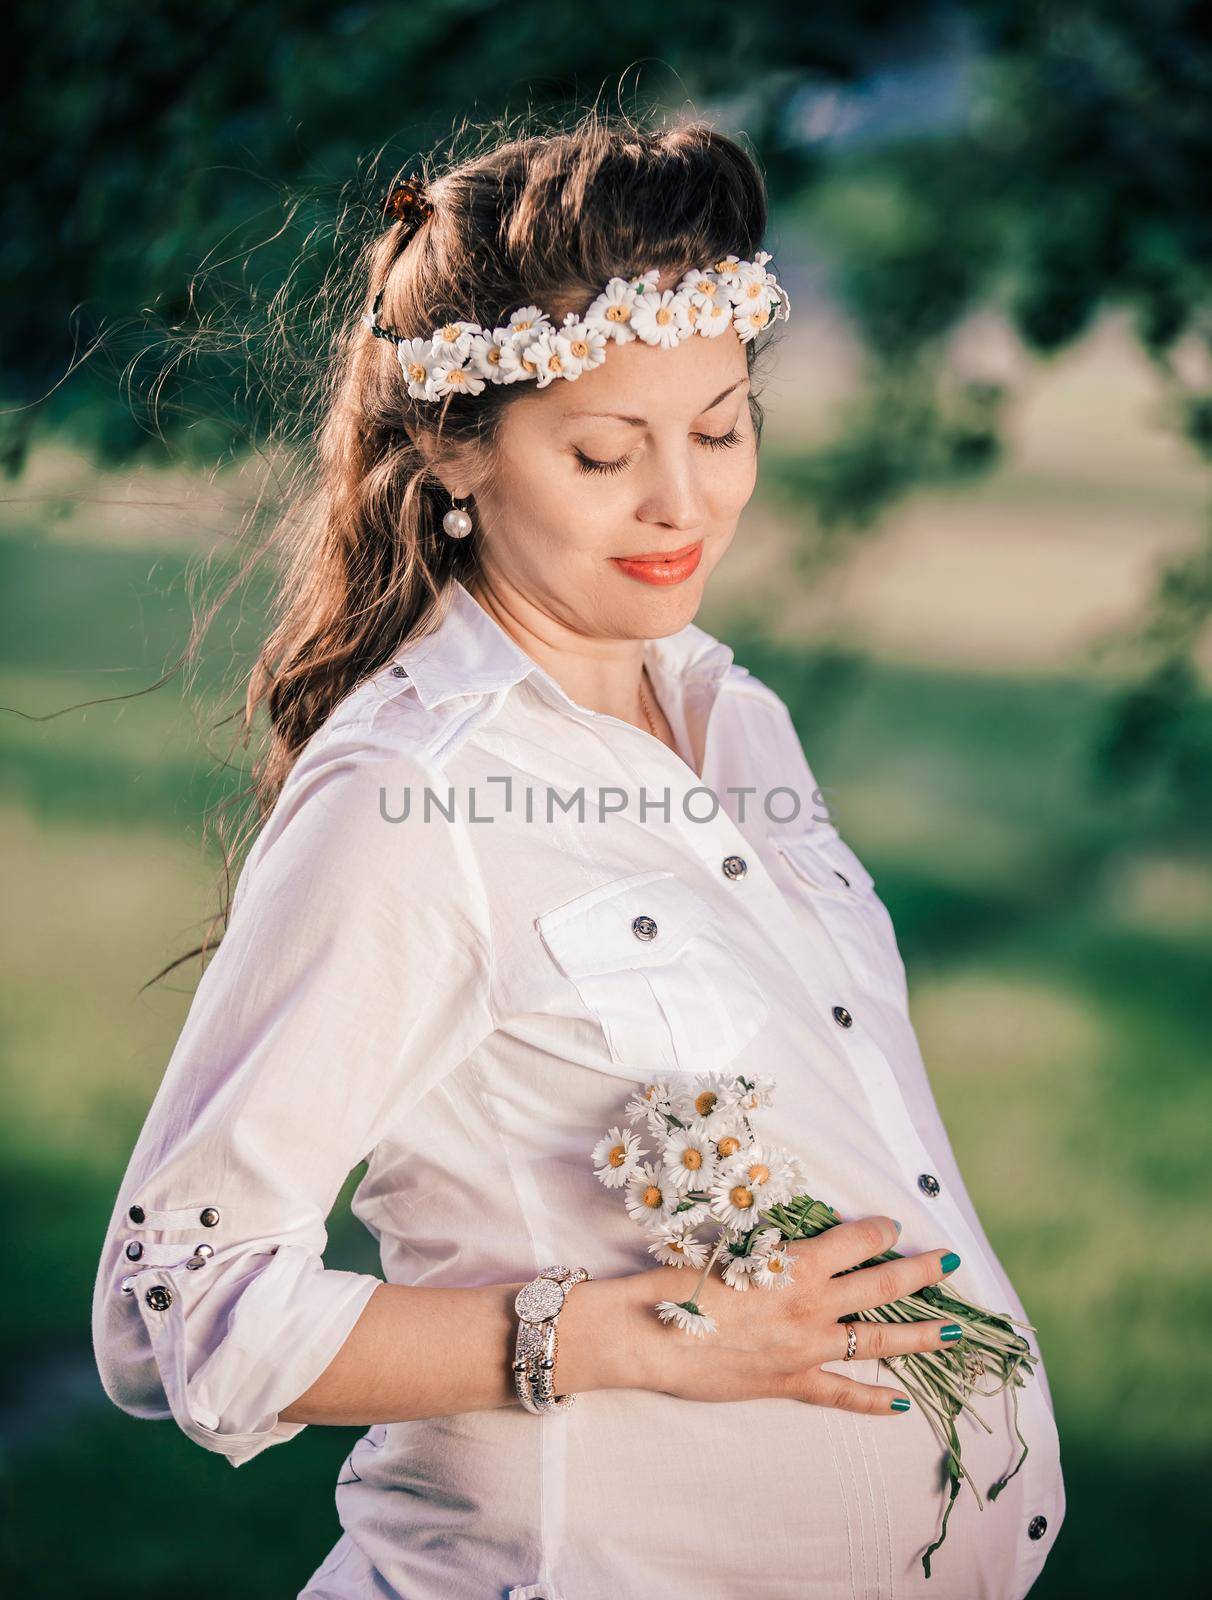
(675, 496)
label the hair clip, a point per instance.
(408, 201)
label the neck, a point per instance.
(603, 675)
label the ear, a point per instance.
(450, 465)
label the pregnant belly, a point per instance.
(634, 1493)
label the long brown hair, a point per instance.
(543, 218)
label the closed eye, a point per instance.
(710, 441)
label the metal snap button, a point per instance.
(734, 867)
(134, 1250)
(209, 1217)
(128, 1286)
(929, 1184)
(136, 1213)
(158, 1297)
(399, 672)
(202, 1254)
(644, 927)
(1037, 1527)
(842, 1017)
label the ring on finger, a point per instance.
(851, 1341)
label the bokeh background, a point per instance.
(978, 566)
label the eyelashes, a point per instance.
(711, 441)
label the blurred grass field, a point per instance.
(1057, 938)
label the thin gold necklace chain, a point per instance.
(647, 711)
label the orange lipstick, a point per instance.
(674, 566)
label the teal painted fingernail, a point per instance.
(900, 1405)
(950, 1261)
(951, 1331)
(896, 1225)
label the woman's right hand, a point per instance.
(770, 1343)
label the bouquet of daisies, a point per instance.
(710, 1172)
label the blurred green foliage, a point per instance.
(174, 167)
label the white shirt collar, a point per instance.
(470, 653)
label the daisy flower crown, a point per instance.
(461, 357)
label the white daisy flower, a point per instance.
(649, 1196)
(455, 377)
(731, 1134)
(761, 1094)
(652, 1104)
(678, 1247)
(743, 1187)
(488, 356)
(733, 1201)
(709, 1096)
(689, 1157)
(800, 1176)
(516, 362)
(417, 359)
(552, 357)
(661, 320)
(738, 1271)
(586, 346)
(750, 319)
(787, 1174)
(455, 337)
(687, 1316)
(690, 1213)
(616, 1157)
(709, 308)
(611, 312)
(753, 299)
(772, 1268)
(726, 268)
(713, 316)
(529, 319)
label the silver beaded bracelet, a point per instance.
(538, 1305)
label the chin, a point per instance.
(666, 609)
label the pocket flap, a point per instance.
(825, 860)
(594, 934)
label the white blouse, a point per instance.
(460, 1000)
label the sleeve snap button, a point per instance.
(644, 927)
(158, 1297)
(929, 1184)
(735, 867)
(136, 1213)
(134, 1250)
(1037, 1527)
(842, 1017)
(209, 1217)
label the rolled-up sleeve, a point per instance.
(354, 974)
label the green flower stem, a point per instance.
(694, 1293)
(942, 1382)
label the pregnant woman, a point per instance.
(533, 842)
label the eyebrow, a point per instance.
(640, 422)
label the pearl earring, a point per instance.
(457, 523)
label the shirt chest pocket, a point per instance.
(654, 962)
(837, 888)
